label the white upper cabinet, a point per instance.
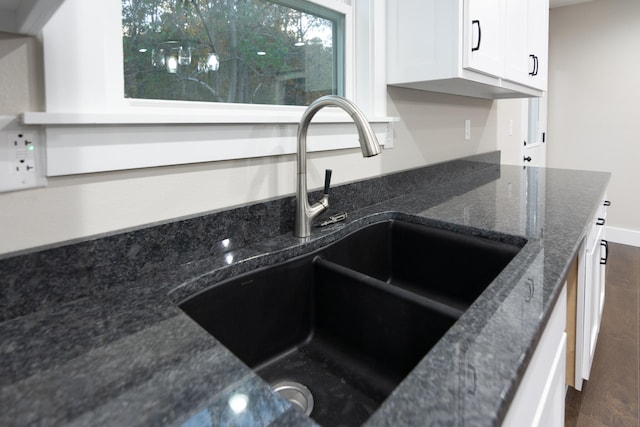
(483, 30)
(516, 57)
(538, 42)
(481, 48)
(527, 26)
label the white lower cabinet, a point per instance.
(539, 400)
(591, 294)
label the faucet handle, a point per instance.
(327, 180)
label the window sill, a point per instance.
(80, 119)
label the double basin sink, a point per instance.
(336, 330)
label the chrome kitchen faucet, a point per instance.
(305, 213)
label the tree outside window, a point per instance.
(234, 51)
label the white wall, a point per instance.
(431, 130)
(431, 127)
(21, 82)
(510, 131)
(594, 95)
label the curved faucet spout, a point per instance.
(305, 213)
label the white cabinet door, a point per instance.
(590, 297)
(526, 42)
(594, 299)
(551, 412)
(417, 31)
(516, 40)
(539, 400)
(537, 43)
(604, 258)
(484, 36)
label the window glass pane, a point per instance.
(286, 52)
(534, 121)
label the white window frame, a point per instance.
(88, 119)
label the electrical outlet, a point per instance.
(21, 159)
(467, 130)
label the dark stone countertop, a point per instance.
(91, 334)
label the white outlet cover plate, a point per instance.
(21, 165)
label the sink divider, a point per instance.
(423, 301)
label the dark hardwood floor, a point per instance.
(611, 396)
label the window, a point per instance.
(234, 51)
(93, 125)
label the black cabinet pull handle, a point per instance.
(600, 221)
(533, 68)
(527, 159)
(327, 181)
(607, 203)
(534, 71)
(477, 46)
(604, 243)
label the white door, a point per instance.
(534, 140)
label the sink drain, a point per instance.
(295, 393)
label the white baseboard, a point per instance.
(623, 236)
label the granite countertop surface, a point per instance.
(91, 333)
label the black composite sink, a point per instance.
(446, 266)
(351, 320)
